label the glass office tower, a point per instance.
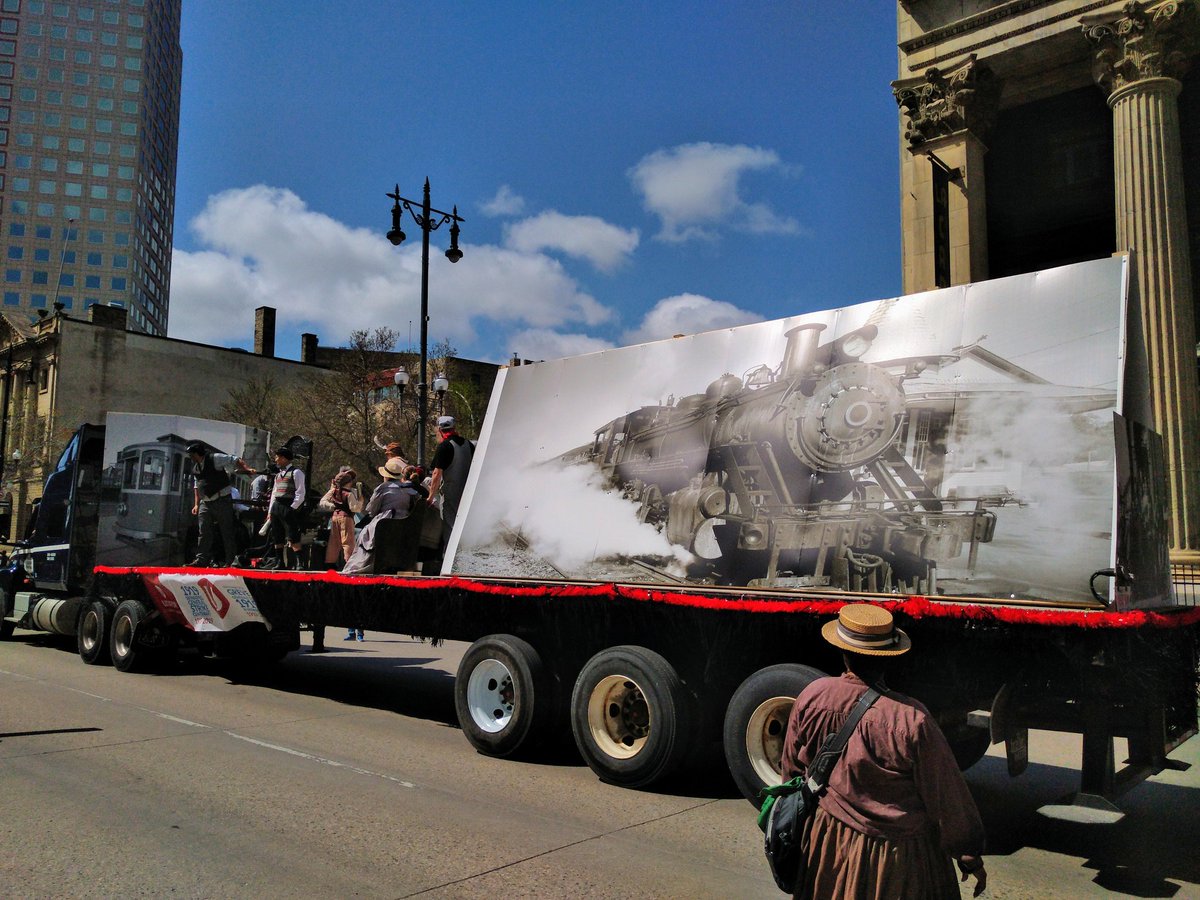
(89, 134)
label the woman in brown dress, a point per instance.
(897, 810)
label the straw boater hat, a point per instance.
(869, 630)
(392, 469)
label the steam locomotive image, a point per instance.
(793, 476)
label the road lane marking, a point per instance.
(279, 748)
(319, 759)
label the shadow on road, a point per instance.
(1154, 842)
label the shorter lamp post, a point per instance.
(440, 385)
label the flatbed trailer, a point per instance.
(648, 680)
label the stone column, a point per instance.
(1141, 52)
(948, 114)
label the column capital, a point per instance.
(944, 101)
(1142, 41)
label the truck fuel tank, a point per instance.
(55, 614)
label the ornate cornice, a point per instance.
(942, 102)
(1143, 40)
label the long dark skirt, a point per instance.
(848, 865)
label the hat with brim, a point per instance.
(392, 469)
(866, 629)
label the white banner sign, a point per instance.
(205, 602)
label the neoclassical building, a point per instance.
(1036, 133)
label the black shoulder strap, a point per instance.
(833, 746)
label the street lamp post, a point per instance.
(62, 258)
(428, 219)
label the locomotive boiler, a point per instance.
(791, 476)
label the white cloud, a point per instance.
(542, 343)
(605, 246)
(693, 188)
(264, 246)
(688, 314)
(505, 203)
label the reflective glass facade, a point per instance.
(89, 133)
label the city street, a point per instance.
(345, 774)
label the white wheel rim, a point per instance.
(764, 738)
(491, 695)
(122, 635)
(89, 634)
(619, 717)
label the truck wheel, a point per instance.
(7, 629)
(970, 745)
(126, 655)
(502, 694)
(756, 721)
(91, 637)
(631, 716)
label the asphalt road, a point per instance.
(345, 775)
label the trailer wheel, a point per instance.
(631, 716)
(970, 744)
(126, 655)
(502, 694)
(92, 635)
(756, 722)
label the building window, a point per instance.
(12, 276)
(37, 301)
(12, 298)
(42, 232)
(16, 252)
(118, 284)
(16, 229)
(41, 278)
(41, 254)
(91, 281)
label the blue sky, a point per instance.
(627, 171)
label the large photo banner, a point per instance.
(147, 495)
(957, 442)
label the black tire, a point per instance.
(631, 716)
(503, 695)
(92, 633)
(970, 744)
(7, 629)
(127, 656)
(755, 722)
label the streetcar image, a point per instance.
(156, 490)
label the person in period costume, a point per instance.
(287, 497)
(451, 463)
(393, 499)
(897, 810)
(213, 492)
